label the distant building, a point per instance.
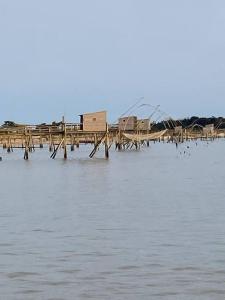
(178, 129)
(93, 121)
(208, 129)
(128, 123)
(143, 124)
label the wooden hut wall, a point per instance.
(94, 121)
(128, 123)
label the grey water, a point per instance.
(146, 224)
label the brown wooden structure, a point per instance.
(128, 123)
(95, 122)
(144, 124)
(94, 130)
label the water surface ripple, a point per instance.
(143, 225)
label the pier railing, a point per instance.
(61, 135)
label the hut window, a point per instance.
(94, 119)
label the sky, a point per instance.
(67, 57)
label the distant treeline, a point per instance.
(190, 122)
(8, 124)
(218, 122)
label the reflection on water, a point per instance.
(143, 225)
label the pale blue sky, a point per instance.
(76, 56)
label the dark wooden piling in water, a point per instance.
(64, 138)
(107, 142)
(64, 135)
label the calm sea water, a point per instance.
(146, 224)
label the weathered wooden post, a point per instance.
(107, 142)
(119, 140)
(72, 142)
(64, 138)
(95, 139)
(8, 146)
(50, 140)
(77, 142)
(26, 156)
(41, 142)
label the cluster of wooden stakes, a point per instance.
(61, 136)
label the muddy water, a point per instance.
(143, 225)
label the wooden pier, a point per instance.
(68, 136)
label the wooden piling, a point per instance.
(107, 142)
